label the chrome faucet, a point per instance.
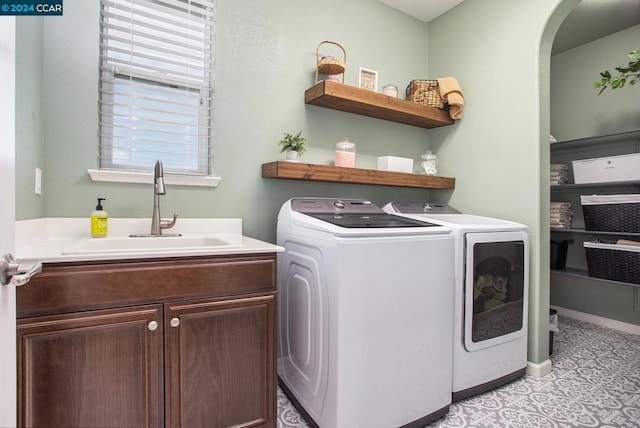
(158, 189)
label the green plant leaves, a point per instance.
(293, 142)
(631, 73)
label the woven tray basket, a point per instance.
(612, 217)
(614, 264)
(426, 92)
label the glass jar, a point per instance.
(390, 90)
(429, 163)
(345, 153)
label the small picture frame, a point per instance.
(368, 79)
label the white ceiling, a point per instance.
(424, 10)
(590, 20)
(594, 19)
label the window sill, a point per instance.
(147, 178)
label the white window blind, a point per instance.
(156, 85)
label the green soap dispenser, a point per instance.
(99, 221)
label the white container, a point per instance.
(394, 163)
(345, 154)
(607, 169)
(429, 163)
(390, 90)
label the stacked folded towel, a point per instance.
(559, 174)
(560, 215)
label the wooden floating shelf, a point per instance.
(338, 96)
(328, 173)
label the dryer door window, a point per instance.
(496, 288)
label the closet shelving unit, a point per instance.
(627, 142)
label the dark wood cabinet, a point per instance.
(176, 343)
(218, 363)
(92, 369)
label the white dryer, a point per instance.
(490, 296)
(364, 335)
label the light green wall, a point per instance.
(499, 52)
(265, 59)
(576, 108)
(29, 114)
(578, 111)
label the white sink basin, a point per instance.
(147, 244)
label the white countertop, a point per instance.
(54, 240)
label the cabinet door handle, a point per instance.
(175, 322)
(152, 326)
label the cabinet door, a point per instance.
(219, 358)
(91, 369)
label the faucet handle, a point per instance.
(169, 224)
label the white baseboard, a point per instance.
(601, 321)
(539, 370)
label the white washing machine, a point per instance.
(490, 297)
(364, 335)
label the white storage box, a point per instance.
(393, 163)
(607, 169)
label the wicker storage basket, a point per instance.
(330, 65)
(613, 262)
(426, 92)
(611, 213)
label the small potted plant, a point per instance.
(292, 146)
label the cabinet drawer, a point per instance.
(70, 288)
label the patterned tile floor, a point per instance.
(595, 382)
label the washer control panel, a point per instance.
(334, 206)
(422, 208)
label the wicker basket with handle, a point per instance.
(330, 65)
